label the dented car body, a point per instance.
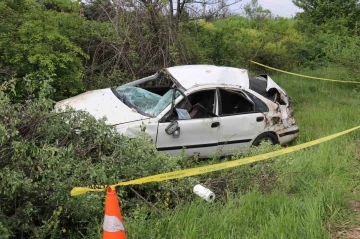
(197, 109)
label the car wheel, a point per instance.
(269, 137)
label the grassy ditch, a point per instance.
(307, 194)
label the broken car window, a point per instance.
(159, 86)
(233, 103)
(144, 101)
(202, 106)
(260, 106)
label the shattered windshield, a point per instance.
(145, 102)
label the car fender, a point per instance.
(142, 128)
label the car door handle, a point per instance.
(215, 124)
(259, 119)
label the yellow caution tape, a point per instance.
(311, 77)
(210, 168)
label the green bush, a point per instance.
(43, 155)
(39, 39)
(235, 40)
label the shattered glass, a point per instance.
(144, 101)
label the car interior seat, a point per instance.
(197, 111)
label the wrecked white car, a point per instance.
(201, 109)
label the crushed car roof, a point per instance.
(189, 76)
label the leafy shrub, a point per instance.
(43, 155)
(235, 40)
(44, 42)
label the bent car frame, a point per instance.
(201, 109)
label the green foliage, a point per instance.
(254, 11)
(330, 30)
(234, 41)
(48, 50)
(108, 46)
(44, 154)
(326, 50)
(319, 12)
(42, 42)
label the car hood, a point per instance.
(102, 103)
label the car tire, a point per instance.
(271, 137)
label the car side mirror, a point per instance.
(172, 128)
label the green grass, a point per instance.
(311, 197)
(312, 190)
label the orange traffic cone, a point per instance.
(113, 223)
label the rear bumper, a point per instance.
(288, 134)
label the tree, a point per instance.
(143, 35)
(254, 11)
(331, 12)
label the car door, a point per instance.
(198, 133)
(240, 122)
